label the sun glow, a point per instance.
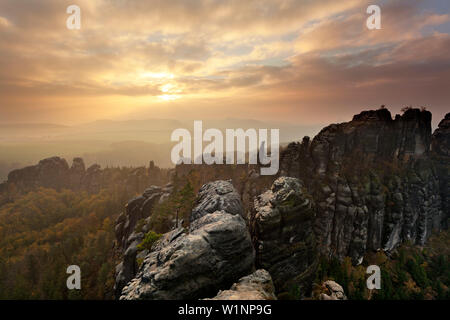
(169, 97)
(167, 87)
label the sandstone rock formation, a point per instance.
(373, 182)
(441, 137)
(283, 230)
(77, 173)
(217, 196)
(48, 173)
(196, 263)
(55, 173)
(256, 286)
(367, 184)
(441, 157)
(128, 237)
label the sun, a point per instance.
(170, 91)
(157, 75)
(166, 88)
(169, 97)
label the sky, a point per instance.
(303, 62)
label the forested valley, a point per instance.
(45, 231)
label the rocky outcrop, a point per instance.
(196, 263)
(367, 184)
(137, 209)
(282, 227)
(441, 137)
(77, 173)
(55, 173)
(441, 157)
(256, 286)
(372, 180)
(332, 291)
(48, 173)
(129, 237)
(217, 196)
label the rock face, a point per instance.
(441, 137)
(441, 156)
(129, 237)
(372, 180)
(76, 173)
(48, 173)
(257, 286)
(136, 209)
(55, 173)
(367, 184)
(217, 196)
(333, 291)
(284, 237)
(211, 255)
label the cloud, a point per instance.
(399, 23)
(298, 55)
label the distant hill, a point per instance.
(113, 142)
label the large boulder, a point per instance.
(217, 196)
(256, 286)
(283, 229)
(196, 263)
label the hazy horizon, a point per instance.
(113, 90)
(115, 143)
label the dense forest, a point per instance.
(45, 231)
(410, 273)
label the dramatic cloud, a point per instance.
(302, 61)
